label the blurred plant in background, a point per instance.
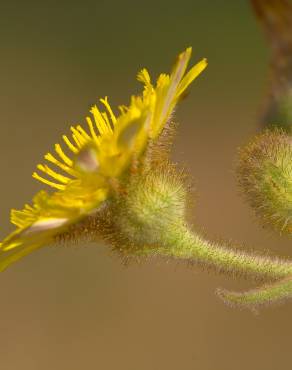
(265, 164)
(275, 18)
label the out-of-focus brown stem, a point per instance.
(275, 17)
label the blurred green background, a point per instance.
(79, 307)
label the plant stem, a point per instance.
(255, 298)
(179, 242)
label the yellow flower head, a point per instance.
(95, 158)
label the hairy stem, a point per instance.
(253, 299)
(179, 242)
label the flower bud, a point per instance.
(265, 177)
(154, 202)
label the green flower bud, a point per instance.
(154, 202)
(265, 177)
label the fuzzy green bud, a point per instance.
(265, 177)
(155, 202)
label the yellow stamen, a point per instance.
(49, 157)
(70, 145)
(144, 77)
(109, 109)
(83, 133)
(36, 176)
(79, 139)
(63, 156)
(101, 125)
(46, 169)
(92, 131)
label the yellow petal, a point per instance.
(170, 88)
(6, 258)
(190, 76)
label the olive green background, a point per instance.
(79, 307)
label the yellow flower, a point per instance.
(95, 158)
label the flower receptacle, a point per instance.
(154, 204)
